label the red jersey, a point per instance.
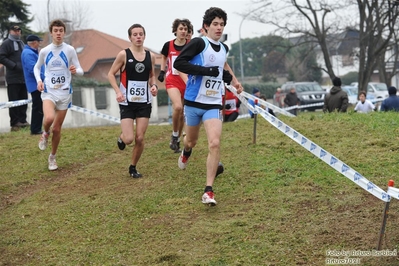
(173, 80)
(233, 101)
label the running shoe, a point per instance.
(43, 142)
(178, 150)
(173, 143)
(121, 144)
(52, 164)
(208, 198)
(133, 173)
(220, 169)
(182, 162)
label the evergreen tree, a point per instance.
(13, 12)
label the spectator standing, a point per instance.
(337, 99)
(29, 57)
(10, 57)
(291, 99)
(392, 102)
(364, 105)
(256, 93)
(278, 98)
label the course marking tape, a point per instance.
(94, 113)
(303, 106)
(73, 108)
(393, 192)
(323, 155)
(14, 103)
(286, 109)
(275, 108)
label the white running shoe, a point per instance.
(43, 142)
(183, 160)
(52, 164)
(208, 198)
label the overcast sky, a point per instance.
(115, 17)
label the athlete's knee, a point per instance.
(139, 140)
(190, 143)
(214, 144)
(56, 129)
(128, 139)
(178, 108)
(48, 120)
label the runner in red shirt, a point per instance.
(175, 86)
(231, 107)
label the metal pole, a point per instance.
(241, 66)
(48, 12)
(384, 219)
(170, 111)
(255, 122)
(239, 37)
(48, 20)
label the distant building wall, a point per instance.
(100, 71)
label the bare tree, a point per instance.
(75, 11)
(388, 58)
(318, 19)
(376, 29)
(312, 20)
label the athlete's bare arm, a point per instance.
(117, 67)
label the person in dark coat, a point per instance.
(10, 57)
(337, 99)
(392, 102)
(291, 99)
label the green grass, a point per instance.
(277, 203)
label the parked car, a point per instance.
(308, 93)
(379, 90)
(352, 92)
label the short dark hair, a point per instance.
(211, 14)
(392, 90)
(129, 31)
(185, 22)
(57, 23)
(364, 93)
(337, 81)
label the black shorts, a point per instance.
(134, 111)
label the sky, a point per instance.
(114, 17)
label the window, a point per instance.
(100, 95)
(77, 96)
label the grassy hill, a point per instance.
(277, 203)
